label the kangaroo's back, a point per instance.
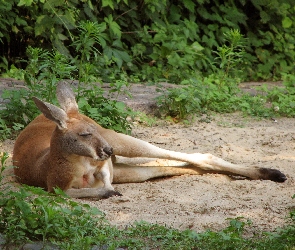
(31, 146)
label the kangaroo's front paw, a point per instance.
(111, 193)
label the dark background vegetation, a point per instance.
(167, 40)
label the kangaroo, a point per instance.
(66, 149)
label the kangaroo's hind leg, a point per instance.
(128, 170)
(127, 146)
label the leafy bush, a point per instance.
(45, 217)
(200, 96)
(212, 94)
(33, 214)
(107, 112)
(220, 92)
(154, 40)
(217, 92)
(46, 68)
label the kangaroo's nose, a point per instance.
(108, 150)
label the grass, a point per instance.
(30, 214)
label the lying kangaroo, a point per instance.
(63, 148)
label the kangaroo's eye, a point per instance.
(84, 134)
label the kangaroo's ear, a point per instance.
(66, 97)
(52, 112)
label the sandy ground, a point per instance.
(203, 202)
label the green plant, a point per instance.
(33, 214)
(145, 119)
(3, 159)
(107, 112)
(217, 92)
(45, 68)
(230, 237)
(175, 52)
(154, 40)
(211, 94)
(180, 103)
(86, 46)
(230, 56)
(11, 70)
(5, 132)
(279, 100)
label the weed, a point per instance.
(179, 102)
(199, 96)
(230, 55)
(3, 159)
(146, 120)
(5, 132)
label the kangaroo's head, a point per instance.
(73, 135)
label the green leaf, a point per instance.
(90, 5)
(20, 21)
(40, 18)
(174, 15)
(109, 3)
(25, 2)
(50, 4)
(61, 37)
(286, 22)
(120, 105)
(117, 43)
(108, 52)
(119, 56)
(189, 4)
(14, 29)
(69, 19)
(60, 47)
(123, 55)
(39, 29)
(115, 28)
(196, 47)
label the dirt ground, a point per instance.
(206, 201)
(203, 202)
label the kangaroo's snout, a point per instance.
(104, 153)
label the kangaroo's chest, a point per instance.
(86, 173)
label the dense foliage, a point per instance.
(44, 70)
(154, 40)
